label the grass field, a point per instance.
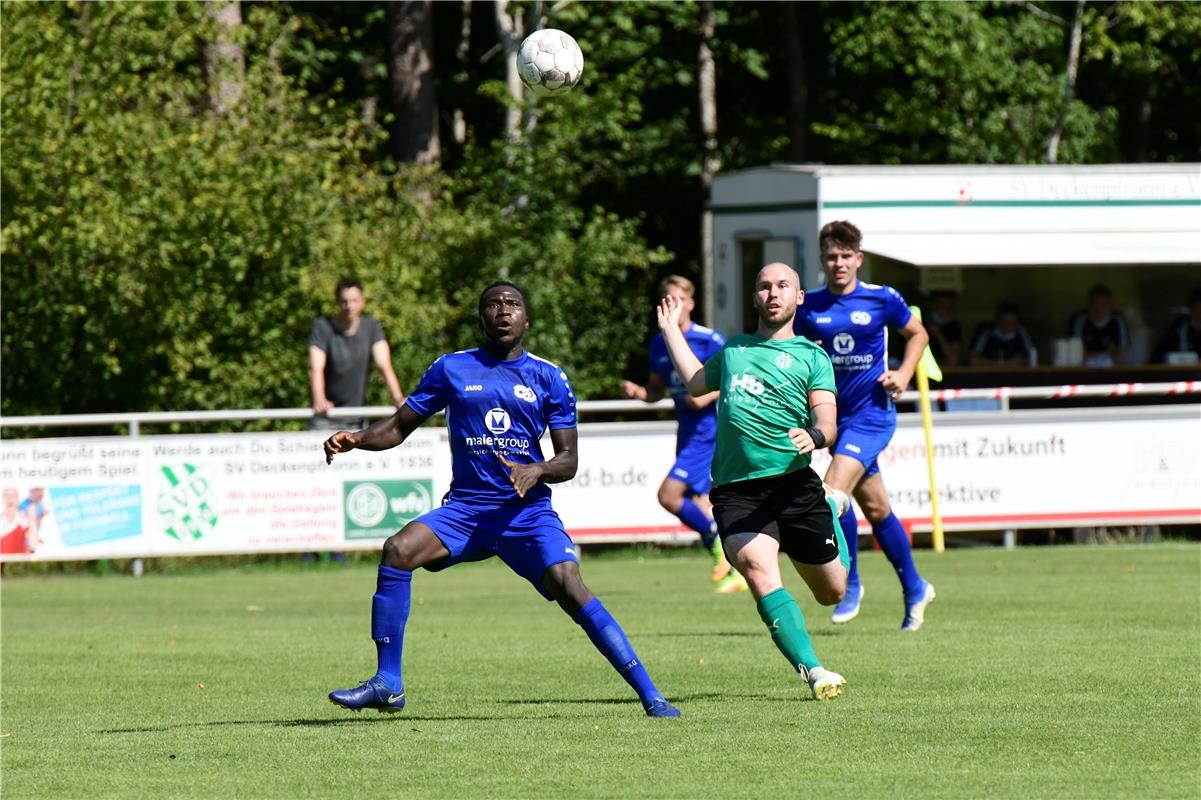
(1066, 672)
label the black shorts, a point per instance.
(791, 508)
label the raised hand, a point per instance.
(669, 312)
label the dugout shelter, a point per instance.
(1038, 235)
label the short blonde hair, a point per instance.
(678, 281)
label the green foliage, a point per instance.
(167, 257)
(157, 255)
(919, 82)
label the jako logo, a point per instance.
(497, 420)
(844, 343)
(524, 393)
(474, 387)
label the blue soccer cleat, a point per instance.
(661, 708)
(373, 693)
(848, 608)
(915, 612)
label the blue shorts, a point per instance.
(694, 462)
(528, 536)
(864, 437)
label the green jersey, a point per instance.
(764, 385)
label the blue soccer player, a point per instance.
(499, 399)
(850, 319)
(685, 490)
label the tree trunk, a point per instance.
(509, 31)
(463, 56)
(798, 85)
(224, 62)
(711, 159)
(1069, 83)
(411, 90)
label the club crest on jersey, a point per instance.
(861, 318)
(524, 393)
(784, 360)
(497, 420)
(844, 343)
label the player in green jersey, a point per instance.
(777, 406)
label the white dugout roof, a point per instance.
(979, 216)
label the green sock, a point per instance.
(784, 619)
(844, 555)
(716, 550)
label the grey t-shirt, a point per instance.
(347, 358)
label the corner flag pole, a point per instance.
(928, 368)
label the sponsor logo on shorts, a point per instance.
(854, 448)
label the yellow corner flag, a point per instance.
(927, 362)
(927, 369)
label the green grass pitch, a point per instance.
(1067, 672)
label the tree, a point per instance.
(413, 98)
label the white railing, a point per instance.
(1003, 394)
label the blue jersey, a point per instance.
(705, 343)
(494, 408)
(853, 329)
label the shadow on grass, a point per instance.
(699, 634)
(376, 719)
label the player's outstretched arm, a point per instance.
(654, 389)
(688, 366)
(382, 435)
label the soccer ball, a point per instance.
(549, 62)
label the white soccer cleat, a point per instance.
(915, 613)
(841, 500)
(826, 685)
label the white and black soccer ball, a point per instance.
(549, 62)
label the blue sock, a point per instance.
(890, 533)
(692, 516)
(608, 637)
(389, 613)
(850, 532)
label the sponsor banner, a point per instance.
(1041, 469)
(231, 493)
(215, 493)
